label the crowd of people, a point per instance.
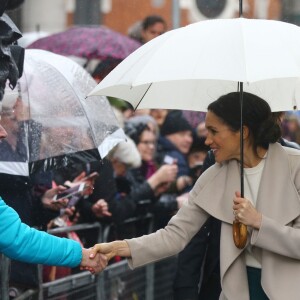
(155, 172)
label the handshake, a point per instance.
(96, 258)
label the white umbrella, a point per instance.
(189, 67)
(50, 123)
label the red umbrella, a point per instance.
(91, 42)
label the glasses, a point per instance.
(148, 143)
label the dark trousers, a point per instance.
(254, 281)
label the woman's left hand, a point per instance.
(245, 212)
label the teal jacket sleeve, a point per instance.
(21, 242)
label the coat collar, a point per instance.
(277, 195)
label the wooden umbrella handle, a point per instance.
(239, 231)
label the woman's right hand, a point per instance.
(104, 248)
(111, 249)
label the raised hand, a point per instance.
(48, 202)
(100, 209)
(165, 174)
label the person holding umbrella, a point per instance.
(203, 251)
(272, 218)
(17, 240)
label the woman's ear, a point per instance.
(246, 132)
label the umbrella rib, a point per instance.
(143, 96)
(169, 35)
(26, 124)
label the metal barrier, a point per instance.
(4, 268)
(116, 282)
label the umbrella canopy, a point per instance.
(189, 67)
(30, 37)
(91, 42)
(49, 122)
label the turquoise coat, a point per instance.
(21, 242)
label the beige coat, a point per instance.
(276, 245)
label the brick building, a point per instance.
(57, 15)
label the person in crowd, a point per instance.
(18, 240)
(201, 129)
(273, 233)
(159, 115)
(19, 191)
(145, 140)
(148, 29)
(194, 117)
(101, 205)
(143, 119)
(291, 127)
(176, 138)
(196, 156)
(160, 185)
(17, 188)
(104, 67)
(125, 157)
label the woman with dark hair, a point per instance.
(149, 182)
(270, 207)
(146, 30)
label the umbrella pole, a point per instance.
(241, 86)
(239, 230)
(241, 9)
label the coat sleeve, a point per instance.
(274, 236)
(278, 238)
(170, 240)
(21, 242)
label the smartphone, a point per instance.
(74, 200)
(72, 191)
(91, 176)
(169, 160)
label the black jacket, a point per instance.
(202, 251)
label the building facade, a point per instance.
(57, 15)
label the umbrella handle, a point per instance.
(239, 231)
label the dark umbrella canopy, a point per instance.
(91, 42)
(9, 68)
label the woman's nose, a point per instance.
(3, 133)
(208, 141)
